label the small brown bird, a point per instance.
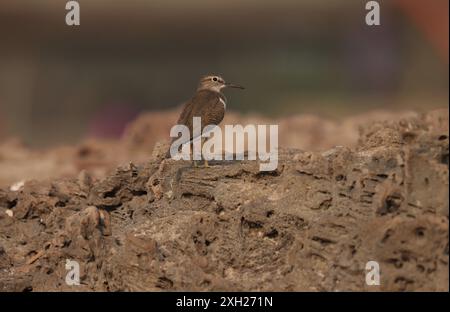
(208, 103)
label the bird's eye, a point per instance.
(215, 79)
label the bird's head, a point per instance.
(215, 83)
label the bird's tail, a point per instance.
(168, 149)
(182, 143)
(167, 153)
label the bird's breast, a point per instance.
(223, 103)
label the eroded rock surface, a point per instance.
(312, 224)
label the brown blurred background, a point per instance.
(60, 84)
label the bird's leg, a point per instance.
(194, 162)
(204, 159)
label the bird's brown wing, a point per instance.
(208, 106)
(205, 104)
(185, 117)
(187, 108)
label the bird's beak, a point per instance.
(230, 85)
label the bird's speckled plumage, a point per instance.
(208, 103)
(205, 104)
